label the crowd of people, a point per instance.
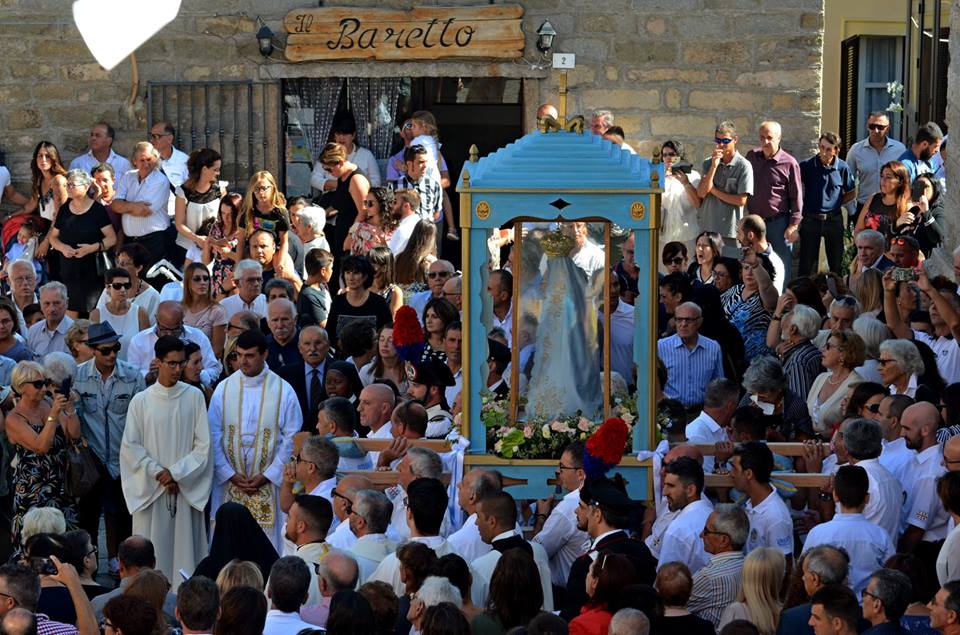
(193, 366)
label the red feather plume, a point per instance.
(606, 446)
(408, 336)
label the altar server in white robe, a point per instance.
(254, 415)
(427, 505)
(166, 468)
(497, 522)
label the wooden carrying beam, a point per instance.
(383, 480)
(783, 449)
(379, 445)
(796, 478)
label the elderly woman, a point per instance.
(142, 197)
(750, 305)
(308, 225)
(900, 366)
(76, 341)
(766, 387)
(842, 353)
(800, 358)
(40, 426)
(726, 273)
(81, 232)
(873, 332)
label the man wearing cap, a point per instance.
(604, 512)
(105, 385)
(429, 379)
(497, 363)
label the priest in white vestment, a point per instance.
(254, 415)
(166, 468)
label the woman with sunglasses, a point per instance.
(10, 345)
(901, 367)
(384, 278)
(709, 246)
(727, 273)
(199, 308)
(882, 210)
(134, 257)
(352, 187)
(680, 198)
(357, 302)
(375, 230)
(863, 400)
(674, 257)
(842, 352)
(126, 318)
(39, 426)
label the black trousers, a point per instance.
(811, 231)
(155, 243)
(106, 497)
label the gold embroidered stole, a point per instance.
(262, 504)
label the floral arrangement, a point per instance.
(541, 439)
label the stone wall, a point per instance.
(668, 68)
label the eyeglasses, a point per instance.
(563, 467)
(155, 135)
(75, 186)
(116, 286)
(169, 330)
(108, 350)
(668, 155)
(710, 532)
(23, 279)
(877, 126)
(236, 327)
(720, 274)
(262, 188)
(685, 320)
(200, 278)
(349, 502)
(38, 383)
(874, 408)
(722, 142)
(866, 593)
(92, 551)
(438, 274)
(676, 261)
(174, 363)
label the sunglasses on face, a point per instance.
(113, 349)
(38, 383)
(722, 142)
(438, 274)
(874, 408)
(116, 286)
(877, 126)
(368, 203)
(676, 261)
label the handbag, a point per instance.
(83, 469)
(103, 263)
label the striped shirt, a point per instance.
(155, 192)
(801, 365)
(689, 371)
(716, 585)
(431, 196)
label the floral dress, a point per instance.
(39, 480)
(365, 237)
(750, 317)
(222, 267)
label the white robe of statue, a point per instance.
(167, 428)
(252, 423)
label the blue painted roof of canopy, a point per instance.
(560, 160)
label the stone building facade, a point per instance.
(667, 68)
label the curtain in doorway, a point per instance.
(374, 105)
(321, 96)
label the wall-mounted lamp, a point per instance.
(545, 36)
(265, 40)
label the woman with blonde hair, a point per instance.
(842, 353)
(352, 189)
(868, 289)
(264, 208)
(239, 573)
(39, 429)
(199, 308)
(759, 598)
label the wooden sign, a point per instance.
(422, 33)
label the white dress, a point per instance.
(126, 326)
(679, 215)
(149, 300)
(200, 207)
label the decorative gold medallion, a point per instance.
(483, 210)
(637, 210)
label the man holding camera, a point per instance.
(726, 185)
(828, 185)
(777, 196)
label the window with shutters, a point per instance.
(869, 63)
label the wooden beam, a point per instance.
(798, 479)
(379, 445)
(783, 449)
(385, 479)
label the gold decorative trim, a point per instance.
(483, 210)
(516, 190)
(637, 210)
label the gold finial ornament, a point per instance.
(654, 177)
(474, 153)
(556, 243)
(483, 210)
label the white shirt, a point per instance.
(705, 429)
(140, 353)
(948, 562)
(682, 542)
(466, 541)
(561, 539)
(401, 235)
(655, 540)
(4, 179)
(910, 391)
(485, 565)
(897, 458)
(155, 192)
(621, 340)
(923, 507)
(87, 162)
(280, 623)
(341, 538)
(947, 352)
(439, 422)
(506, 324)
(234, 304)
(867, 544)
(886, 497)
(369, 551)
(175, 167)
(325, 489)
(383, 432)
(770, 525)
(363, 159)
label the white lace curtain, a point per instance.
(322, 97)
(373, 102)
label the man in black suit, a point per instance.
(604, 513)
(306, 378)
(497, 363)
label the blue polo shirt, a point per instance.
(915, 165)
(824, 185)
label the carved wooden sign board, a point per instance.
(422, 33)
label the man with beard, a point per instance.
(429, 380)
(683, 487)
(926, 143)
(307, 524)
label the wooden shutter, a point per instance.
(849, 89)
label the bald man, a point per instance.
(660, 515)
(452, 290)
(925, 521)
(346, 491)
(547, 110)
(375, 408)
(19, 621)
(282, 345)
(951, 454)
(140, 351)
